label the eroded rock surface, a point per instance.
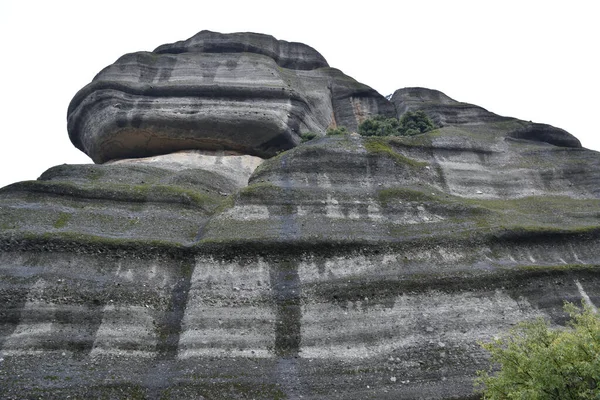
(286, 54)
(446, 111)
(196, 286)
(244, 92)
(344, 268)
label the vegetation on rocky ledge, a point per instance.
(411, 123)
(537, 362)
(337, 131)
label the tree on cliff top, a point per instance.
(537, 362)
(411, 123)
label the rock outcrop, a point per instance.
(446, 111)
(243, 92)
(345, 267)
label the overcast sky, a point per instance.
(534, 60)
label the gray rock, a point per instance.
(141, 269)
(286, 54)
(243, 92)
(446, 111)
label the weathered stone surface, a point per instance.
(418, 247)
(243, 92)
(236, 168)
(446, 111)
(286, 54)
(343, 268)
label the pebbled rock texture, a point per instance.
(244, 92)
(343, 268)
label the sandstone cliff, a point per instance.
(210, 254)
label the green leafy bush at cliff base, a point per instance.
(537, 362)
(409, 124)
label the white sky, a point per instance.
(534, 60)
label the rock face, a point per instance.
(343, 268)
(445, 111)
(285, 54)
(244, 92)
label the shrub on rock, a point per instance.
(411, 123)
(337, 131)
(537, 362)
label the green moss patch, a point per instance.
(62, 220)
(381, 147)
(259, 189)
(119, 192)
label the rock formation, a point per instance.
(243, 92)
(209, 254)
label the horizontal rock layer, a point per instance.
(286, 54)
(121, 325)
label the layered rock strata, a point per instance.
(215, 291)
(344, 268)
(243, 92)
(446, 111)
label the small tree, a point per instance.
(308, 136)
(413, 123)
(409, 124)
(379, 125)
(537, 362)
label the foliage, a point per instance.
(410, 124)
(337, 131)
(381, 146)
(379, 125)
(413, 123)
(537, 362)
(306, 136)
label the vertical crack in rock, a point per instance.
(160, 376)
(285, 283)
(12, 312)
(170, 326)
(35, 326)
(290, 229)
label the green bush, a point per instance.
(306, 136)
(537, 362)
(379, 126)
(413, 123)
(337, 131)
(410, 124)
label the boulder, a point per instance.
(242, 92)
